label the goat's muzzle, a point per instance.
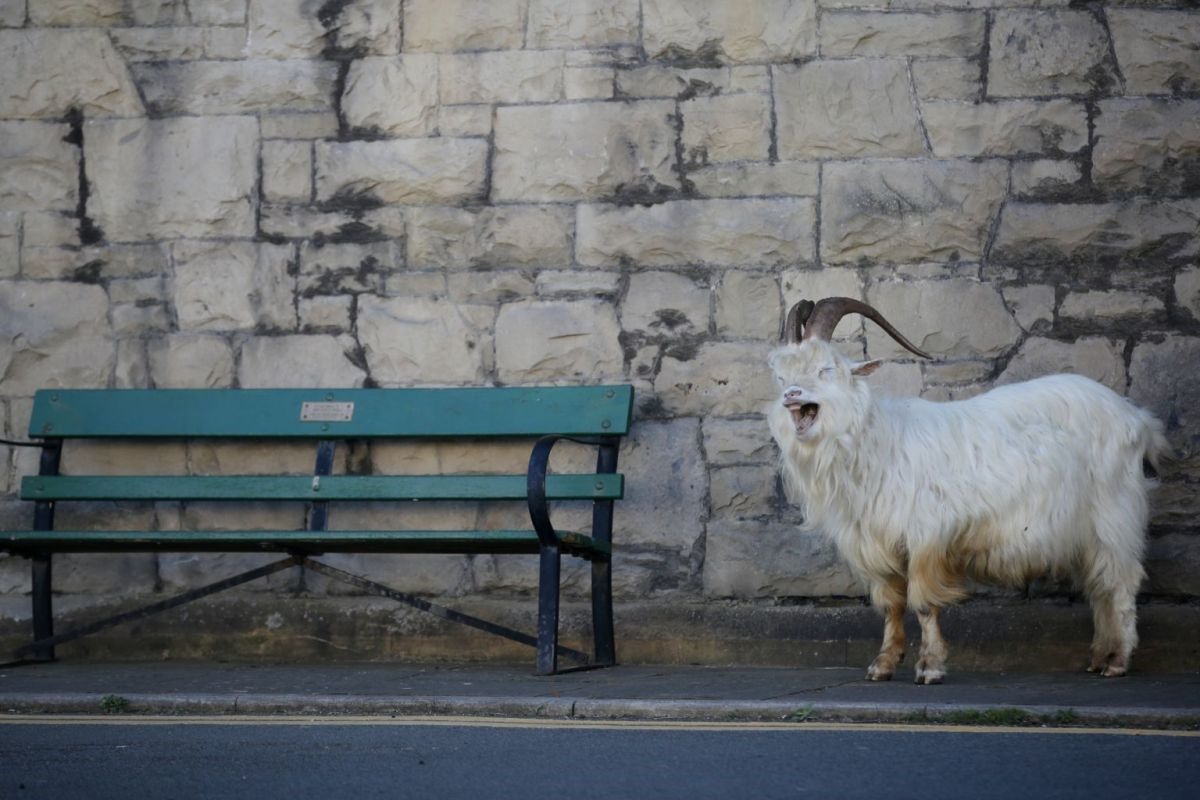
(804, 413)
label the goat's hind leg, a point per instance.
(931, 665)
(889, 598)
(1113, 579)
(1114, 613)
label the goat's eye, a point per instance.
(826, 373)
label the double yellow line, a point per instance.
(560, 724)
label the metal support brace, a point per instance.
(42, 570)
(155, 608)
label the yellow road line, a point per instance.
(575, 724)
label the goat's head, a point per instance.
(822, 392)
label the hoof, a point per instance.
(878, 675)
(1113, 672)
(928, 676)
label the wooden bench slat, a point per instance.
(497, 541)
(306, 488)
(276, 413)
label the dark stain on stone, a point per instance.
(645, 191)
(694, 87)
(89, 232)
(685, 350)
(88, 273)
(669, 318)
(363, 133)
(350, 201)
(707, 56)
(355, 233)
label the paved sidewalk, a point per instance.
(624, 692)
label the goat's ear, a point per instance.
(864, 368)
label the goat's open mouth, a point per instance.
(803, 416)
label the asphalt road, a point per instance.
(362, 758)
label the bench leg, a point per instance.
(43, 610)
(602, 614)
(548, 579)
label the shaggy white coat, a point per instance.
(1032, 479)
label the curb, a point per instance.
(582, 709)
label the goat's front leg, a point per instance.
(931, 666)
(889, 598)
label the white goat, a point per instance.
(1032, 479)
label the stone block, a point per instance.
(1159, 381)
(589, 83)
(218, 12)
(404, 171)
(1147, 146)
(48, 72)
(1005, 128)
(1033, 53)
(10, 244)
(875, 34)
(1105, 306)
(907, 212)
(664, 502)
(738, 441)
(570, 282)
(742, 492)
(665, 304)
(786, 178)
(12, 13)
(233, 286)
(1031, 304)
(710, 31)
(138, 170)
(325, 314)
(1173, 565)
(299, 361)
(451, 25)
(288, 29)
(53, 335)
(1097, 358)
(426, 575)
(327, 269)
(413, 340)
(959, 317)
(299, 125)
(584, 151)
(897, 380)
(191, 362)
(287, 171)
(38, 169)
(218, 457)
(719, 379)
(567, 24)
(747, 305)
(747, 561)
(1187, 290)
(947, 78)
(490, 287)
(179, 572)
(752, 232)
(508, 235)
(682, 82)
(1156, 49)
(842, 109)
(235, 87)
(473, 120)
(1044, 178)
(732, 127)
(396, 96)
(512, 76)
(1126, 231)
(553, 341)
(179, 44)
(158, 12)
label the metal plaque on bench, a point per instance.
(326, 412)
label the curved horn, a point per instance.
(829, 311)
(796, 318)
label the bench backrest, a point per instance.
(331, 413)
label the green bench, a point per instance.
(593, 415)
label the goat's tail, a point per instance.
(1155, 447)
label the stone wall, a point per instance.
(251, 193)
